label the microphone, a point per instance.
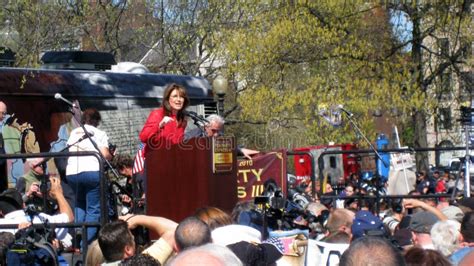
(85, 136)
(341, 107)
(58, 96)
(195, 116)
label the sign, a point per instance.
(252, 174)
(401, 161)
(222, 154)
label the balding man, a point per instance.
(3, 111)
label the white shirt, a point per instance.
(78, 164)
(19, 216)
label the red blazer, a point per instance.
(155, 137)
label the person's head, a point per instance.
(192, 232)
(214, 217)
(94, 255)
(209, 254)
(436, 174)
(214, 128)
(3, 110)
(366, 223)
(349, 190)
(420, 225)
(10, 200)
(340, 220)
(35, 165)
(371, 251)
(116, 241)
(124, 164)
(420, 175)
(175, 99)
(91, 116)
(467, 226)
(6, 239)
(445, 236)
(140, 259)
(425, 257)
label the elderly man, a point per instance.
(214, 129)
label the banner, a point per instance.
(252, 174)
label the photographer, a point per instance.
(11, 205)
(29, 184)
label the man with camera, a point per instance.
(15, 211)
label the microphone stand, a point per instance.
(356, 127)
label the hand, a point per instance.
(248, 153)
(412, 203)
(56, 189)
(130, 221)
(34, 190)
(24, 225)
(165, 121)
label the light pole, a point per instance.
(219, 86)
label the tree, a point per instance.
(435, 26)
(292, 59)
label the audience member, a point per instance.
(366, 224)
(214, 217)
(374, 251)
(445, 236)
(467, 239)
(468, 260)
(94, 255)
(140, 259)
(11, 205)
(420, 225)
(209, 254)
(396, 215)
(425, 257)
(116, 242)
(29, 184)
(340, 220)
(192, 232)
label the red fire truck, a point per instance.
(336, 166)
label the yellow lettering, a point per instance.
(257, 174)
(257, 190)
(244, 173)
(241, 193)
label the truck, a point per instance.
(38, 122)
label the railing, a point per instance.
(103, 189)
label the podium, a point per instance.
(181, 178)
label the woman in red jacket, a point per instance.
(165, 125)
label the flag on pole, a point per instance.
(139, 161)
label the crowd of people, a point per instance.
(335, 226)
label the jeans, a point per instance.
(86, 186)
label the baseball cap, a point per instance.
(422, 222)
(365, 221)
(453, 213)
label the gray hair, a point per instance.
(203, 254)
(445, 236)
(215, 118)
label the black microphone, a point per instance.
(58, 96)
(341, 107)
(195, 116)
(85, 136)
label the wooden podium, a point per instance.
(182, 178)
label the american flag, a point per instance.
(139, 161)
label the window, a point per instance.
(445, 83)
(466, 82)
(444, 119)
(443, 45)
(466, 47)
